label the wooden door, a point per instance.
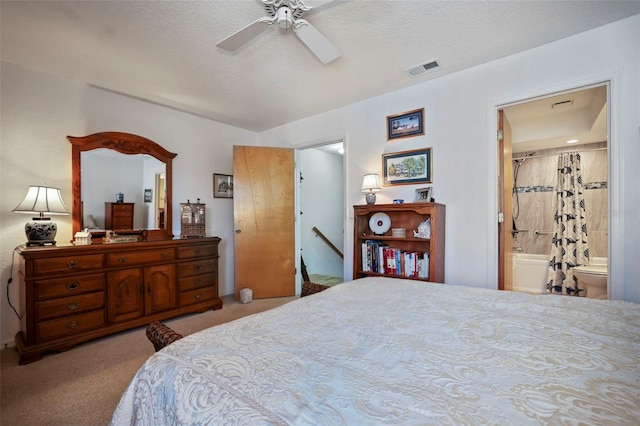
(126, 295)
(505, 194)
(162, 289)
(264, 221)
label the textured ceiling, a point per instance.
(165, 51)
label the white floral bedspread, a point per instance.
(381, 351)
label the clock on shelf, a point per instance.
(192, 220)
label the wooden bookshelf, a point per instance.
(407, 216)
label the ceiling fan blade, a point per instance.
(315, 41)
(243, 36)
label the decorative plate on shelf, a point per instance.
(379, 223)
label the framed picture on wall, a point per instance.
(406, 124)
(222, 186)
(407, 167)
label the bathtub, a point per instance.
(530, 271)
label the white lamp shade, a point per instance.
(371, 183)
(42, 200)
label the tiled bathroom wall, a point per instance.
(534, 198)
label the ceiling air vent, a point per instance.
(422, 68)
(562, 104)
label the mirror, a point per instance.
(121, 182)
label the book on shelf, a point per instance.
(380, 258)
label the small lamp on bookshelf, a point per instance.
(371, 185)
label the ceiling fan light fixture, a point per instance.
(285, 21)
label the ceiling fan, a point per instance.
(287, 15)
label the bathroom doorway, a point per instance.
(534, 132)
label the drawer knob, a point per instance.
(197, 267)
(73, 285)
(73, 324)
(122, 259)
(164, 255)
(198, 296)
(198, 282)
(196, 251)
(72, 264)
(73, 306)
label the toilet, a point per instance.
(593, 278)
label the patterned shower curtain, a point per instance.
(569, 247)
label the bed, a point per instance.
(381, 351)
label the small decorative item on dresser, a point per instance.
(192, 220)
(82, 238)
(119, 197)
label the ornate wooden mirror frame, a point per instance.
(125, 143)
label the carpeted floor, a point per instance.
(325, 279)
(83, 385)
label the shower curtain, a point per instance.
(569, 246)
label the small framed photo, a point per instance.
(407, 167)
(406, 124)
(222, 186)
(147, 195)
(423, 195)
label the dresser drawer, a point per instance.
(197, 296)
(69, 305)
(209, 250)
(55, 265)
(61, 287)
(197, 281)
(120, 222)
(71, 325)
(141, 257)
(122, 209)
(197, 267)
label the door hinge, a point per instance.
(500, 217)
(500, 135)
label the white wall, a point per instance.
(38, 111)
(460, 123)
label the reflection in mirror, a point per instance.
(121, 182)
(129, 175)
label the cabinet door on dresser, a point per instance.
(137, 292)
(162, 293)
(126, 295)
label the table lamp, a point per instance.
(41, 200)
(370, 185)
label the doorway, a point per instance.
(534, 133)
(320, 195)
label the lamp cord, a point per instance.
(13, 255)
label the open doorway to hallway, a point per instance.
(321, 212)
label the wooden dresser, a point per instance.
(77, 293)
(118, 216)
